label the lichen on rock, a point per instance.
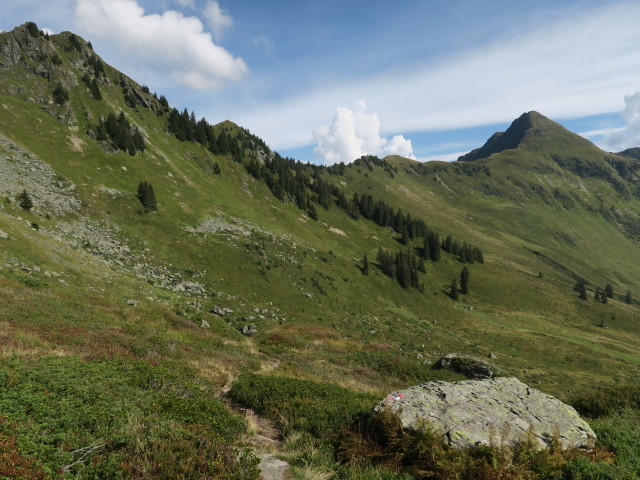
(489, 412)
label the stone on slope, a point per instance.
(272, 468)
(486, 412)
(470, 367)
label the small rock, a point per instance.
(133, 303)
(4, 235)
(272, 468)
(470, 367)
(249, 330)
(492, 355)
(205, 324)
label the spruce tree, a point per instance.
(581, 288)
(147, 196)
(95, 90)
(24, 200)
(464, 281)
(628, 299)
(608, 290)
(60, 95)
(453, 290)
(365, 265)
(426, 254)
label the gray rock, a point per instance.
(133, 303)
(4, 235)
(488, 412)
(492, 356)
(272, 468)
(249, 330)
(204, 324)
(470, 367)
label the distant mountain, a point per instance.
(633, 152)
(530, 130)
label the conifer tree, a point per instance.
(95, 90)
(426, 253)
(365, 265)
(464, 281)
(147, 196)
(608, 290)
(60, 95)
(434, 247)
(24, 200)
(628, 299)
(581, 288)
(453, 290)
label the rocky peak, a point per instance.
(530, 124)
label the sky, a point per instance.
(328, 81)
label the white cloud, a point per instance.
(578, 65)
(48, 31)
(169, 44)
(217, 19)
(354, 133)
(620, 139)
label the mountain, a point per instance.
(165, 260)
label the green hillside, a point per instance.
(120, 326)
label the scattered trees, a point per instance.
(401, 267)
(122, 135)
(33, 29)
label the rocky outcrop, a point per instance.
(487, 412)
(20, 170)
(470, 367)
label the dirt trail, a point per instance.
(263, 434)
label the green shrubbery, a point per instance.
(321, 409)
(401, 367)
(117, 418)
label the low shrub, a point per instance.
(607, 401)
(120, 418)
(321, 409)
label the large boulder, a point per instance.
(487, 412)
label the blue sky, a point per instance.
(328, 81)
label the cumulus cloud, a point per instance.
(354, 133)
(217, 19)
(619, 139)
(170, 44)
